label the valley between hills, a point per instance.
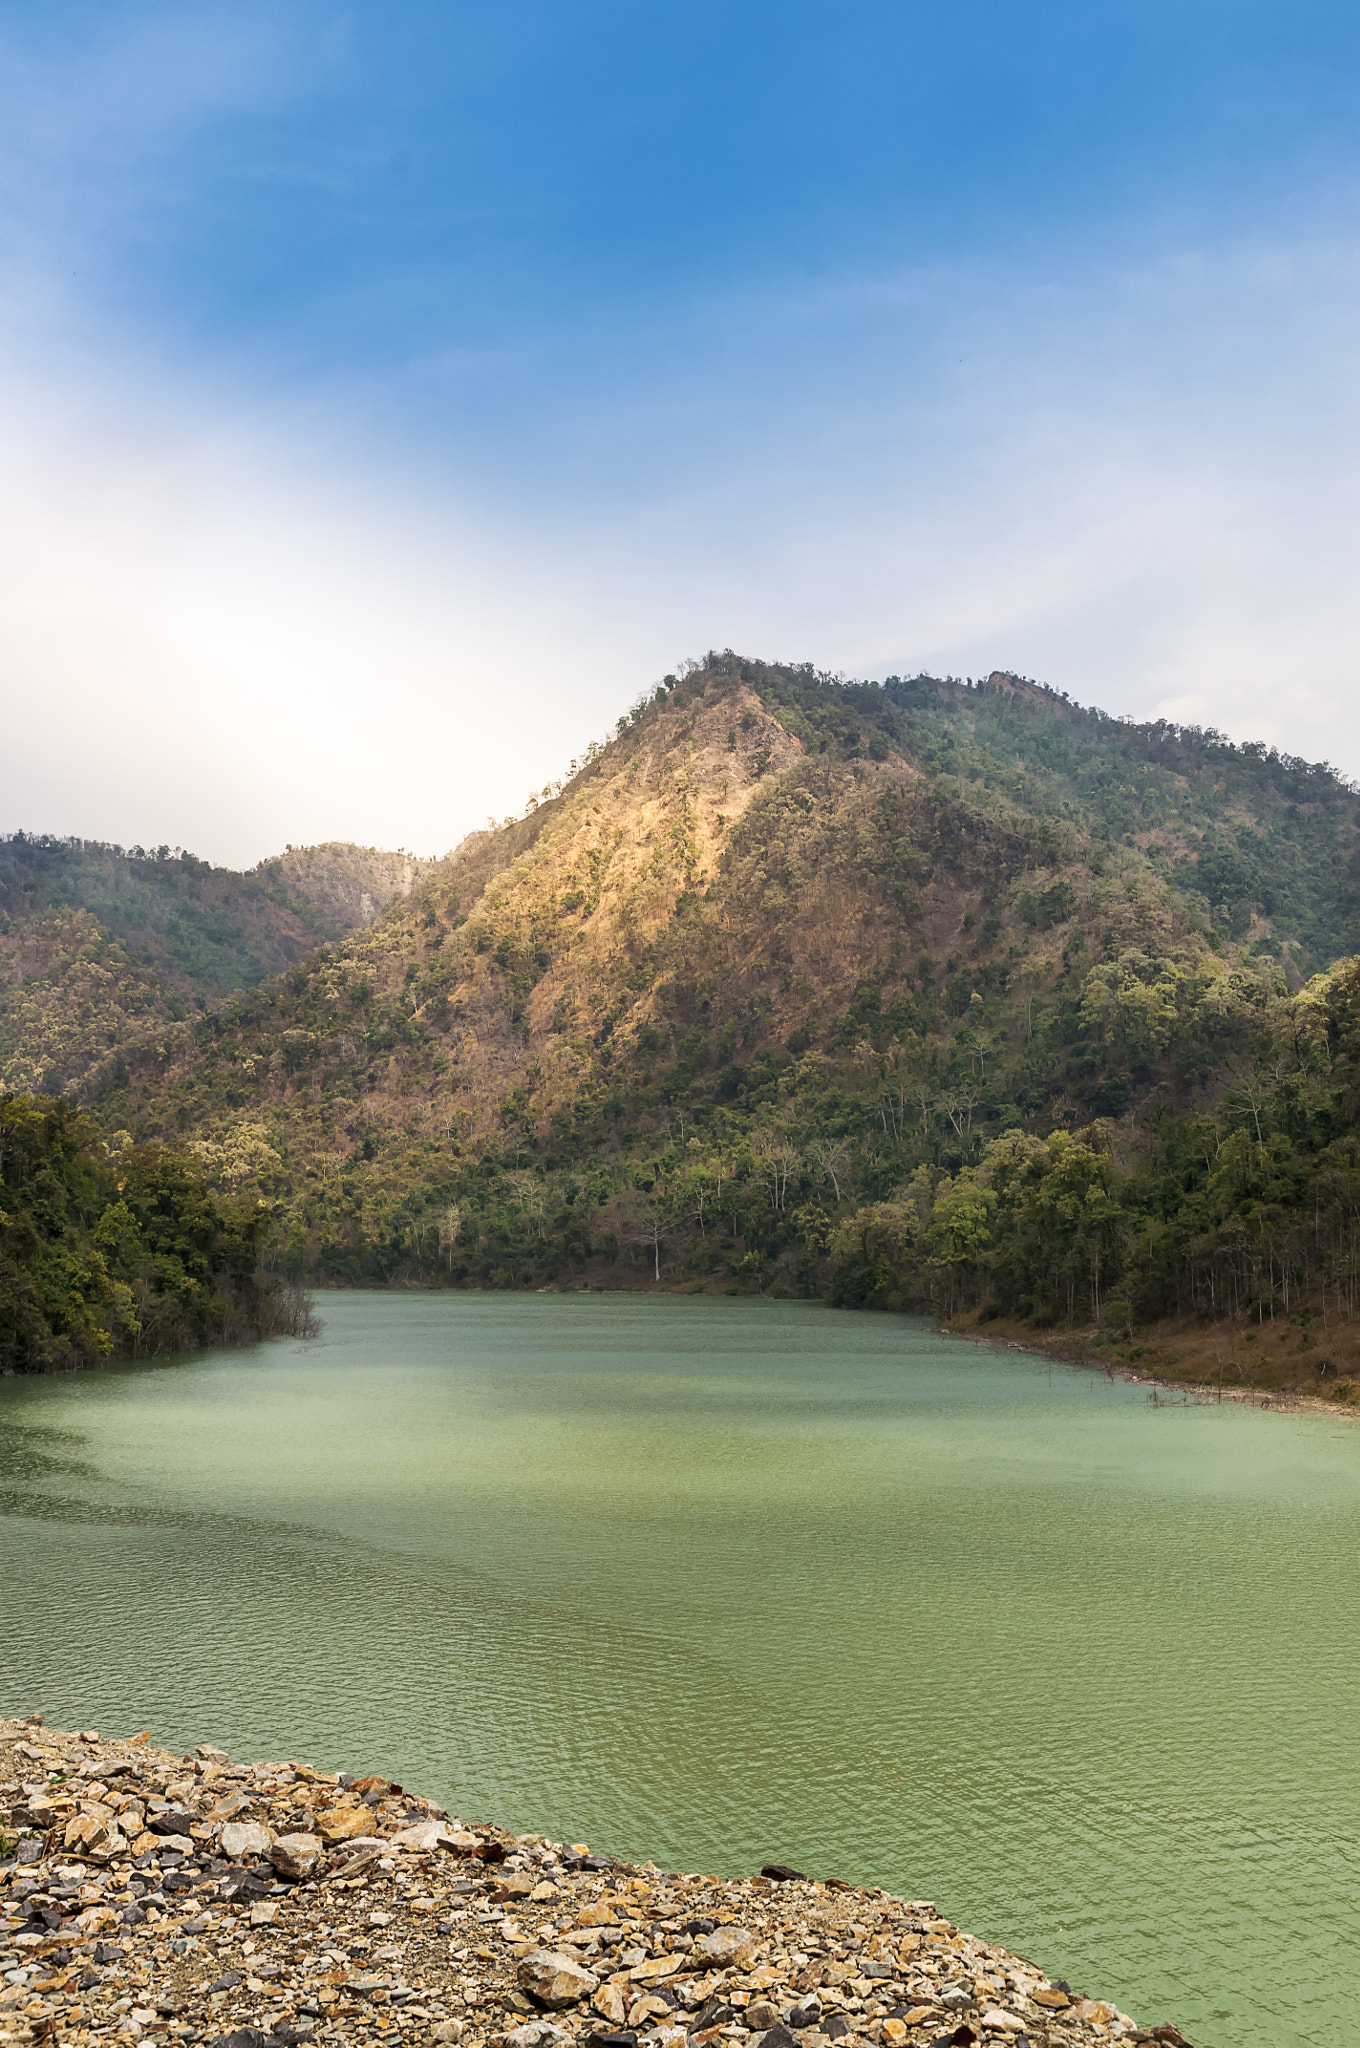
(937, 996)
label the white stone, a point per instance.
(537, 2034)
(555, 1980)
(724, 1945)
(295, 1855)
(425, 1835)
(244, 1838)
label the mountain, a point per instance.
(99, 946)
(929, 993)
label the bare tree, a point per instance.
(529, 1195)
(776, 1161)
(924, 1097)
(449, 1226)
(894, 1103)
(700, 1183)
(1246, 1080)
(416, 1231)
(647, 1217)
(833, 1159)
(958, 1106)
(1026, 985)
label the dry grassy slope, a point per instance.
(706, 872)
(686, 856)
(531, 943)
(600, 887)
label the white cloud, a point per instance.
(204, 646)
(230, 622)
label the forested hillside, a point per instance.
(124, 1250)
(921, 994)
(100, 947)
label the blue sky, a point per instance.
(387, 393)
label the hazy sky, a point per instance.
(387, 392)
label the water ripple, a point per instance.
(721, 1582)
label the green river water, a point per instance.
(724, 1582)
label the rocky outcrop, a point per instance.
(265, 1905)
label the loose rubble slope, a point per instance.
(250, 1904)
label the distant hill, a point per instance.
(99, 946)
(343, 887)
(926, 993)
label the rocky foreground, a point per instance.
(263, 1905)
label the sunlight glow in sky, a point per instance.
(388, 393)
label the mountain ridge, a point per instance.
(923, 994)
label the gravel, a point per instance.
(345, 1910)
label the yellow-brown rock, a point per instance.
(646, 2008)
(610, 2004)
(655, 1968)
(96, 1836)
(343, 1823)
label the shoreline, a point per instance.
(1065, 1348)
(267, 1905)
(1068, 1348)
(1194, 1393)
